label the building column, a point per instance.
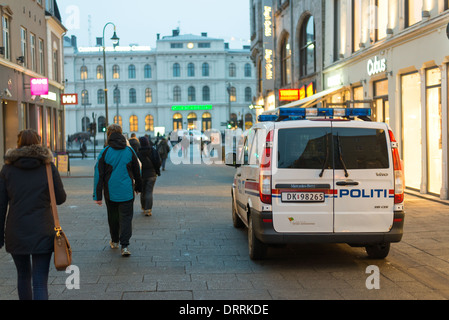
(444, 129)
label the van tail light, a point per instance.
(265, 170)
(399, 183)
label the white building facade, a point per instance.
(186, 82)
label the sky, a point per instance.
(139, 21)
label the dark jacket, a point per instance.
(28, 226)
(148, 170)
(117, 171)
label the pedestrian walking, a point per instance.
(185, 144)
(150, 171)
(83, 149)
(134, 142)
(163, 148)
(26, 220)
(119, 186)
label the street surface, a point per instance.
(189, 250)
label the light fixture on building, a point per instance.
(21, 59)
(426, 14)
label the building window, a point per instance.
(83, 72)
(176, 70)
(190, 70)
(191, 94)
(177, 121)
(149, 123)
(177, 94)
(232, 94)
(118, 121)
(33, 52)
(192, 121)
(6, 37)
(133, 124)
(23, 45)
(176, 45)
(148, 96)
(205, 69)
(131, 71)
(204, 45)
(381, 19)
(232, 70)
(413, 12)
(147, 71)
(356, 25)
(207, 121)
(117, 98)
(248, 70)
(41, 57)
(84, 97)
(100, 73)
(116, 72)
(85, 121)
(248, 94)
(56, 65)
(286, 53)
(132, 95)
(307, 47)
(100, 96)
(248, 121)
(206, 93)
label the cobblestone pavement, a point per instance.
(189, 250)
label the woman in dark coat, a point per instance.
(149, 175)
(27, 226)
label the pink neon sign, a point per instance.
(39, 86)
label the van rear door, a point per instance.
(364, 177)
(302, 202)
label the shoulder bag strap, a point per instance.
(51, 188)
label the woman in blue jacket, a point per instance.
(117, 175)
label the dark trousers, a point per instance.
(120, 217)
(146, 197)
(32, 275)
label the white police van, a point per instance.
(314, 175)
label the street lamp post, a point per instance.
(115, 42)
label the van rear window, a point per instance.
(318, 148)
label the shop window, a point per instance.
(412, 128)
(434, 130)
(381, 112)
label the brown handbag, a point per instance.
(62, 249)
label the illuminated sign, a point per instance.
(268, 24)
(39, 86)
(375, 66)
(268, 64)
(288, 94)
(69, 99)
(310, 91)
(268, 45)
(192, 108)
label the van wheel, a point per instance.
(257, 249)
(378, 251)
(236, 221)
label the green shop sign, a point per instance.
(191, 108)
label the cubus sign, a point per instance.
(69, 99)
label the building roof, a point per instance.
(188, 37)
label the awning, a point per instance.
(303, 103)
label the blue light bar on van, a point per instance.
(302, 113)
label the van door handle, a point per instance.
(347, 183)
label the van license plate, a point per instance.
(302, 197)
